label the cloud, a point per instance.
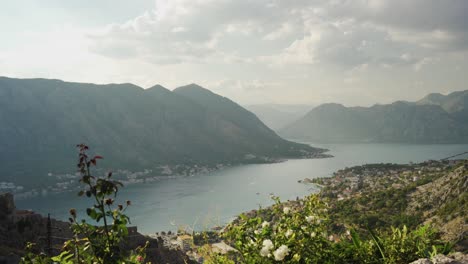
(340, 32)
(262, 50)
(180, 30)
(245, 91)
(285, 29)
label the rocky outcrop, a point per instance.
(453, 258)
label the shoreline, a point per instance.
(68, 182)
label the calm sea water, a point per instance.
(203, 201)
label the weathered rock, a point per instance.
(442, 259)
(458, 256)
(452, 258)
(422, 261)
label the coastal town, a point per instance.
(66, 182)
(351, 182)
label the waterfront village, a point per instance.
(66, 182)
(351, 182)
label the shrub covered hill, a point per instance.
(383, 195)
(137, 128)
(436, 118)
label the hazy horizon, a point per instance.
(357, 53)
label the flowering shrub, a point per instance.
(91, 243)
(299, 233)
(286, 233)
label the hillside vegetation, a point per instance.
(384, 195)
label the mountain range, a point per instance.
(278, 116)
(133, 128)
(436, 118)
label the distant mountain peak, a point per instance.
(400, 103)
(452, 102)
(126, 85)
(158, 88)
(199, 94)
(435, 95)
(192, 86)
(433, 98)
(330, 106)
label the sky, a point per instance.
(354, 52)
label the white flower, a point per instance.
(264, 252)
(268, 244)
(257, 232)
(310, 218)
(348, 232)
(330, 238)
(286, 210)
(288, 233)
(281, 252)
(313, 234)
(265, 224)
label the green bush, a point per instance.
(296, 234)
(300, 233)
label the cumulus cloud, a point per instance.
(259, 50)
(341, 32)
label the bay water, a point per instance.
(213, 199)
